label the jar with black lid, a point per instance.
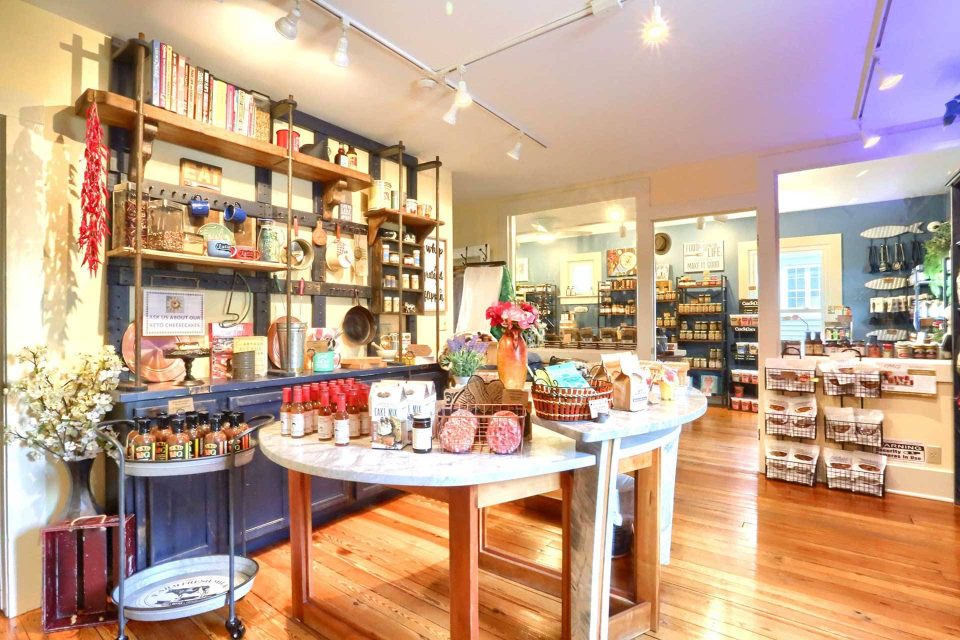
(422, 434)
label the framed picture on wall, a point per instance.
(700, 257)
(523, 270)
(621, 262)
(434, 274)
(662, 270)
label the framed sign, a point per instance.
(904, 450)
(621, 262)
(200, 175)
(899, 378)
(702, 257)
(662, 270)
(173, 312)
(523, 270)
(434, 274)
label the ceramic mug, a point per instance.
(234, 213)
(244, 253)
(219, 249)
(199, 207)
(325, 361)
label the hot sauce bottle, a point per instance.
(285, 412)
(144, 443)
(196, 437)
(159, 420)
(178, 442)
(364, 412)
(324, 417)
(353, 414)
(161, 435)
(203, 425)
(309, 411)
(215, 442)
(226, 425)
(297, 416)
(239, 426)
(341, 424)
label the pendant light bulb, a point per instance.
(889, 81)
(287, 25)
(450, 117)
(448, 8)
(515, 150)
(656, 29)
(340, 57)
(868, 138)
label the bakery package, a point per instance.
(792, 461)
(856, 471)
(869, 427)
(840, 423)
(631, 388)
(791, 374)
(389, 415)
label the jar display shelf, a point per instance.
(117, 110)
(206, 464)
(418, 225)
(200, 261)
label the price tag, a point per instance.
(515, 396)
(599, 406)
(179, 405)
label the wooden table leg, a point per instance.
(591, 536)
(566, 493)
(301, 529)
(464, 563)
(646, 564)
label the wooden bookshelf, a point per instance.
(200, 261)
(118, 110)
(420, 226)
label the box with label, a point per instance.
(389, 415)
(221, 346)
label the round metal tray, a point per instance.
(184, 588)
(188, 467)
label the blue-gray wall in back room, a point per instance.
(546, 260)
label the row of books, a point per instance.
(196, 93)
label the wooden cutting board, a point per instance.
(371, 362)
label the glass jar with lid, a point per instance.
(164, 226)
(268, 242)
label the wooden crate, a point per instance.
(79, 563)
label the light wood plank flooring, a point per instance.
(751, 559)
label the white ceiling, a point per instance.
(736, 76)
(895, 178)
(578, 220)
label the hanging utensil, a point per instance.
(233, 318)
(319, 234)
(872, 260)
(359, 325)
(884, 265)
(899, 260)
(916, 251)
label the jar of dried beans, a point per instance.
(164, 226)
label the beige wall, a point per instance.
(45, 62)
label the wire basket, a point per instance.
(783, 424)
(859, 478)
(568, 404)
(506, 439)
(799, 472)
(860, 385)
(868, 434)
(803, 380)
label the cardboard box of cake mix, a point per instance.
(389, 415)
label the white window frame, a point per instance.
(595, 259)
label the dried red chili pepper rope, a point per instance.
(94, 225)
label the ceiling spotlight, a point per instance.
(427, 83)
(287, 25)
(868, 138)
(450, 117)
(862, 173)
(655, 30)
(887, 80)
(615, 214)
(462, 99)
(623, 231)
(448, 8)
(340, 57)
(515, 150)
(701, 223)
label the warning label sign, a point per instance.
(904, 451)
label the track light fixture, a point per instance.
(656, 29)
(340, 57)
(515, 150)
(868, 138)
(885, 80)
(462, 99)
(287, 25)
(450, 117)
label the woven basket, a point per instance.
(568, 404)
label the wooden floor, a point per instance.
(751, 559)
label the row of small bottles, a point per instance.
(335, 411)
(194, 434)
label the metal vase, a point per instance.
(80, 502)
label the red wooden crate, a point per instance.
(80, 560)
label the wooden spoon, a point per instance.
(319, 235)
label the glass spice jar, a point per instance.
(164, 226)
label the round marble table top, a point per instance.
(637, 427)
(548, 452)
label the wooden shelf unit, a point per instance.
(420, 226)
(200, 261)
(118, 110)
(378, 290)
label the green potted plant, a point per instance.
(60, 407)
(463, 356)
(936, 250)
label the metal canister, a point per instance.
(268, 242)
(298, 332)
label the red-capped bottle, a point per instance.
(364, 411)
(297, 415)
(353, 413)
(341, 424)
(324, 417)
(285, 411)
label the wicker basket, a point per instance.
(568, 404)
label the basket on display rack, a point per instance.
(802, 380)
(782, 424)
(860, 385)
(568, 404)
(481, 428)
